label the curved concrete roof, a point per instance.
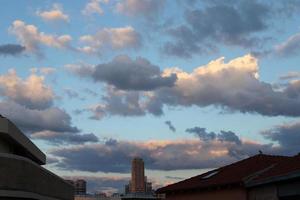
(18, 140)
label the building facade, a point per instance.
(21, 173)
(137, 184)
(80, 186)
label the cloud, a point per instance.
(71, 93)
(223, 136)
(234, 85)
(148, 9)
(111, 38)
(231, 86)
(174, 177)
(53, 119)
(11, 49)
(226, 23)
(120, 103)
(290, 75)
(170, 125)
(31, 38)
(94, 7)
(163, 155)
(64, 137)
(158, 154)
(55, 14)
(287, 136)
(32, 92)
(127, 74)
(106, 184)
(289, 47)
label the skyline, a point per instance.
(97, 82)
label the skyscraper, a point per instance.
(137, 176)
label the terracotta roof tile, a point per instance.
(235, 173)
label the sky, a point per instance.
(186, 85)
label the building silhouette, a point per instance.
(80, 186)
(22, 175)
(137, 176)
(138, 187)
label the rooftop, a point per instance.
(22, 146)
(234, 174)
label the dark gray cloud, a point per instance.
(170, 125)
(120, 103)
(11, 49)
(223, 136)
(59, 138)
(127, 74)
(52, 125)
(53, 119)
(287, 136)
(226, 23)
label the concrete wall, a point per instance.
(5, 147)
(22, 177)
(221, 194)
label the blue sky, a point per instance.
(96, 82)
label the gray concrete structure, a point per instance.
(21, 173)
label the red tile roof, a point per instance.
(287, 167)
(232, 174)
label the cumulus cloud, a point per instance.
(111, 38)
(94, 7)
(287, 136)
(53, 118)
(127, 74)
(31, 38)
(170, 126)
(11, 49)
(289, 47)
(31, 92)
(145, 8)
(64, 137)
(226, 23)
(39, 118)
(117, 102)
(232, 86)
(55, 14)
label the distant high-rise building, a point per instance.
(137, 176)
(80, 186)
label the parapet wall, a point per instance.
(22, 178)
